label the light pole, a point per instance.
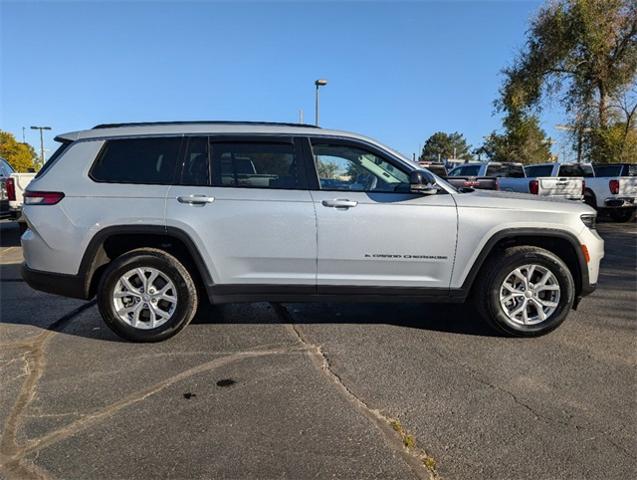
(319, 83)
(41, 141)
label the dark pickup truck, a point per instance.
(483, 175)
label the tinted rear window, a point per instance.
(257, 165)
(505, 170)
(53, 158)
(139, 160)
(539, 170)
(575, 170)
(616, 170)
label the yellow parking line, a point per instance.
(6, 250)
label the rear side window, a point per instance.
(575, 170)
(53, 159)
(505, 170)
(196, 170)
(137, 160)
(539, 170)
(255, 165)
(608, 171)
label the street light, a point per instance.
(319, 83)
(41, 141)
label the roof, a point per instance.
(198, 127)
(114, 130)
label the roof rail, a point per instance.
(201, 122)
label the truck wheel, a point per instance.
(525, 291)
(589, 199)
(146, 295)
(621, 214)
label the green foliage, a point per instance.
(441, 146)
(20, 156)
(327, 169)
(523, 141)
(584, 54)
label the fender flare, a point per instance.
(95, 256)
(580, 277)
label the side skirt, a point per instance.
(219, 294)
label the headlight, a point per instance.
(590, 220)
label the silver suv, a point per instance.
(152, 217)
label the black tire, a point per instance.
(589, 199)
(22, 227)
(621, 215)
(186, 292)
(487, 292)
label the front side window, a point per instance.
(344, 167)
(137, 161)
(255, 165)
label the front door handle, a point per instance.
(195, 199)
(339, 203)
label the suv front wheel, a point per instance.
(146, 295)
(525, 291)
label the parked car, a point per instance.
(613, 190)
(149, 217)
(483, 175)
(12, 185)
(554, 180)
(437, 168)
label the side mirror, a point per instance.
(423, 182)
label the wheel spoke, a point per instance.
(539, 309)
(518, 273)
(546, 303)
(529, 273)
(142, 277)
(143, 300)
(129, 286)
(547, 287)
(544, 278)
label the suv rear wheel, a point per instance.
(147, 295)
(525, 292)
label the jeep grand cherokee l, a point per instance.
(151, 217)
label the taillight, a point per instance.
(10, 187)
(612, 184)
(534, 187)
(42, 198)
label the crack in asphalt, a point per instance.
(34, 363)
(477, 377)
(13, 459)
(419, 461)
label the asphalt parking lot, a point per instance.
(320, 390)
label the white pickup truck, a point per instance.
(12, 186)
(613, 190)
(558, 180)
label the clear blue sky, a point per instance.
(397, 71)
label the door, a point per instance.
(371, 230)
(246, 204)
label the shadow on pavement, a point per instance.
(9, 234)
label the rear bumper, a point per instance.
(56, 283)
(619, 202)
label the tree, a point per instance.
(584, 54)
(21, 156)
(441, 146)
(523, 141)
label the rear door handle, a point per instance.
(195, 199)
(339, 203)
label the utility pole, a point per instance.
(301, 119)
(41, 141)
(319, 83)
(23, 140)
